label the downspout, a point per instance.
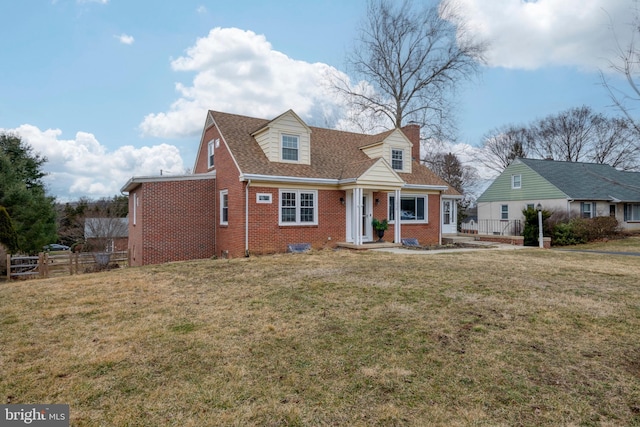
(246, 219)
(440, 219)
(216, 212)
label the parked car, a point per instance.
(55, 247)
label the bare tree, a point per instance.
(411, 60)
(627, 65)
(449, 167)
(616, 144)
(566, 136)
(574, 135)
(503, 145)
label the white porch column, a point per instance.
(357, 216)
(397, 235)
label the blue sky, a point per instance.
(109, 89)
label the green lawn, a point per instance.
(486, 338)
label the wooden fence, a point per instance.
(49, 265)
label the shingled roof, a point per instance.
(334, 154)
(588, 181)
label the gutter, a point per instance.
(262, 178)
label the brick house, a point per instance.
(259, 185)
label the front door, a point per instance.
(367, 208)
(449, 217)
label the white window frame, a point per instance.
(504, 213)
(297, 147)
(211, 150)
(394, 159)
(263, 198)
(391, 208)
(514, 185)
(224, 207)
(298, 207)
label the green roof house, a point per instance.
(580, 189)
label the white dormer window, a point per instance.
(290, 148)
(397, 159)
(210, 152)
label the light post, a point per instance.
(540, 234)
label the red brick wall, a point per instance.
(202, 159)
(413, 134)
(267, 236)
(175, 222)
(427, 234)
(230, 237)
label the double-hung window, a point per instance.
(504, 212)
(412, 208)
(397, 159)
(298, 207)
(210, 153)
(632, 212)
(290, 147)
(516, 182)
(586, 210)
(224, 207)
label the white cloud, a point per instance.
(239, 72)
(93, 1)
(535, 34)
(125, 38)
(201, 9)
(82, 166)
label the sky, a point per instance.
(110, 89)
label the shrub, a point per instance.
(563, 235)
(583, 230)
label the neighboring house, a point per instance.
(579, 189)
(107, 234)
(259, 185)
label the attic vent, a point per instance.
(298, 248)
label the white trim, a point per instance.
(292, 179)
(402, 160)
(137, 180)
(211, 152)
(297, 137)
(397, 208)
(135, 208)
(513, 181)
(265, 198)
(298, 207)
(222, 194)
(426, 187)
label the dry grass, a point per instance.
(333, 338)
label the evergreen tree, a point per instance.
(23, 194)
(8, 236)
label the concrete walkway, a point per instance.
(481, 246)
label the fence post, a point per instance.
(8, 266)
(41, 264)
(70, 263)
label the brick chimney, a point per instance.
(412, 131)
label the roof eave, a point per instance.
(136, 181)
